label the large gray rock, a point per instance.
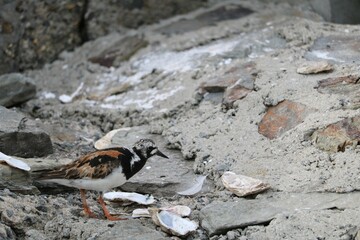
(15, 89)
(49, 28)
(21, 137)
(10, 34)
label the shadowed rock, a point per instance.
(15, 89)
(21, 137)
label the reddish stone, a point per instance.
(335, 137)
(234, 93)
(337, 85)
(281, 118)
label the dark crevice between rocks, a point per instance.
(82, 25)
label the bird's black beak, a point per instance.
(161, 154)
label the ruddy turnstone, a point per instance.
(102, 170)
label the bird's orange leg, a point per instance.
(87, 210)
(106, 211)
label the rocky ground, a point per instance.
(264, 90)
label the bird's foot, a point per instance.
(113, 218)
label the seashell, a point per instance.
(134, 197)
(16, 163)
(140, 212)
(181, 210)
(242, 185)
(199, 181)
(105, 141)
(172, 223)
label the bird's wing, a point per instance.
(93, 165)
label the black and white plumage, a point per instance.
(102, 170)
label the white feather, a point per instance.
(199, 181)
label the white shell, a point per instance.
(172, 223)
(140, 212)
(199, 181)
(242, 185)
(134, 197)
(105, 141)
(181, 210)
(68, 99)
(16, 163)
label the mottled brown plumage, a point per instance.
(93, 165)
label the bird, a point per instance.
(102, 170)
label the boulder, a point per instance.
(15, 89)
(20, 136)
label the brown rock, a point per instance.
(281, 118)
(234, 93)
(235, 82)
(338, 85)
(335, 137)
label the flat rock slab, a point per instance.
(335, 137)
(21, 137)
(15, 89)
(281, 118)
(335, 49)
(223, 13)
(220, 217)
(161, 176)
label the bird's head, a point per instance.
(147, 148)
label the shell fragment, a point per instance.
(172, 223)
(134, 197)
(242, 185)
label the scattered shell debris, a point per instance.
(68, 99)
(133, 197)
(105, 141)
(315, 67)
(140, 212)
(16, 163)
(181, 210)
(172, 223)
(194, 189)
(242, 185)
